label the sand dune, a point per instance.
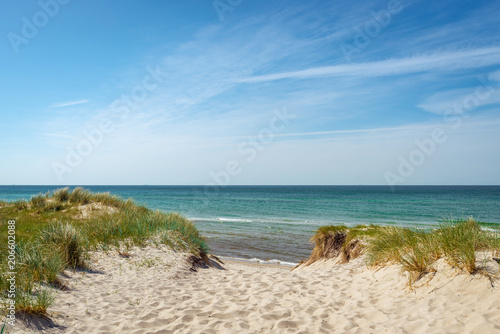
(154, 291)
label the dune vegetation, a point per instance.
(415, 250)
(57, 230)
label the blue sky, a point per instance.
(250, 92)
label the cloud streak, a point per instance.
(67, 104)
(458, 100)
(445, 61)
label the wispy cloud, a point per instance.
(495, 76)
(474, 29)
(67, 104)
(59, 135)
(466, 59)
(446, 102)
(364, 114)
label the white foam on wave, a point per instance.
(260, 261)
(198, 219)
(235, 220)
(277, 222)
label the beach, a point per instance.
(237, 167)
(156, 290)
(116, 267)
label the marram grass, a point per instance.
(416, 250)
(55, 231)
(66, 240)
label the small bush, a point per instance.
(34, 302)
(53, 265)
(459, 240)
(67, 240)
(110, 200)
(334, 240)
(39, 263)
(80, 196)
(53, 207)
(61, 195)
(38, 201)
(385, 248)
(419, 254)
(30, 260)
(20, 205)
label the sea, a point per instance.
(274, 224)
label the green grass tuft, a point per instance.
(38, 201)
(20, 205)
(80, 196)
(35, 301)
(66, 239)
(61, 195)
(459, 240)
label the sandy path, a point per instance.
(154, 292)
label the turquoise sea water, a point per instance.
(276, 222)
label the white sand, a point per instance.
(154, 292)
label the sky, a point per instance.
(240, 92)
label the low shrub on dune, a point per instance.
(66, 240)
(458, 241)
(339, 240)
